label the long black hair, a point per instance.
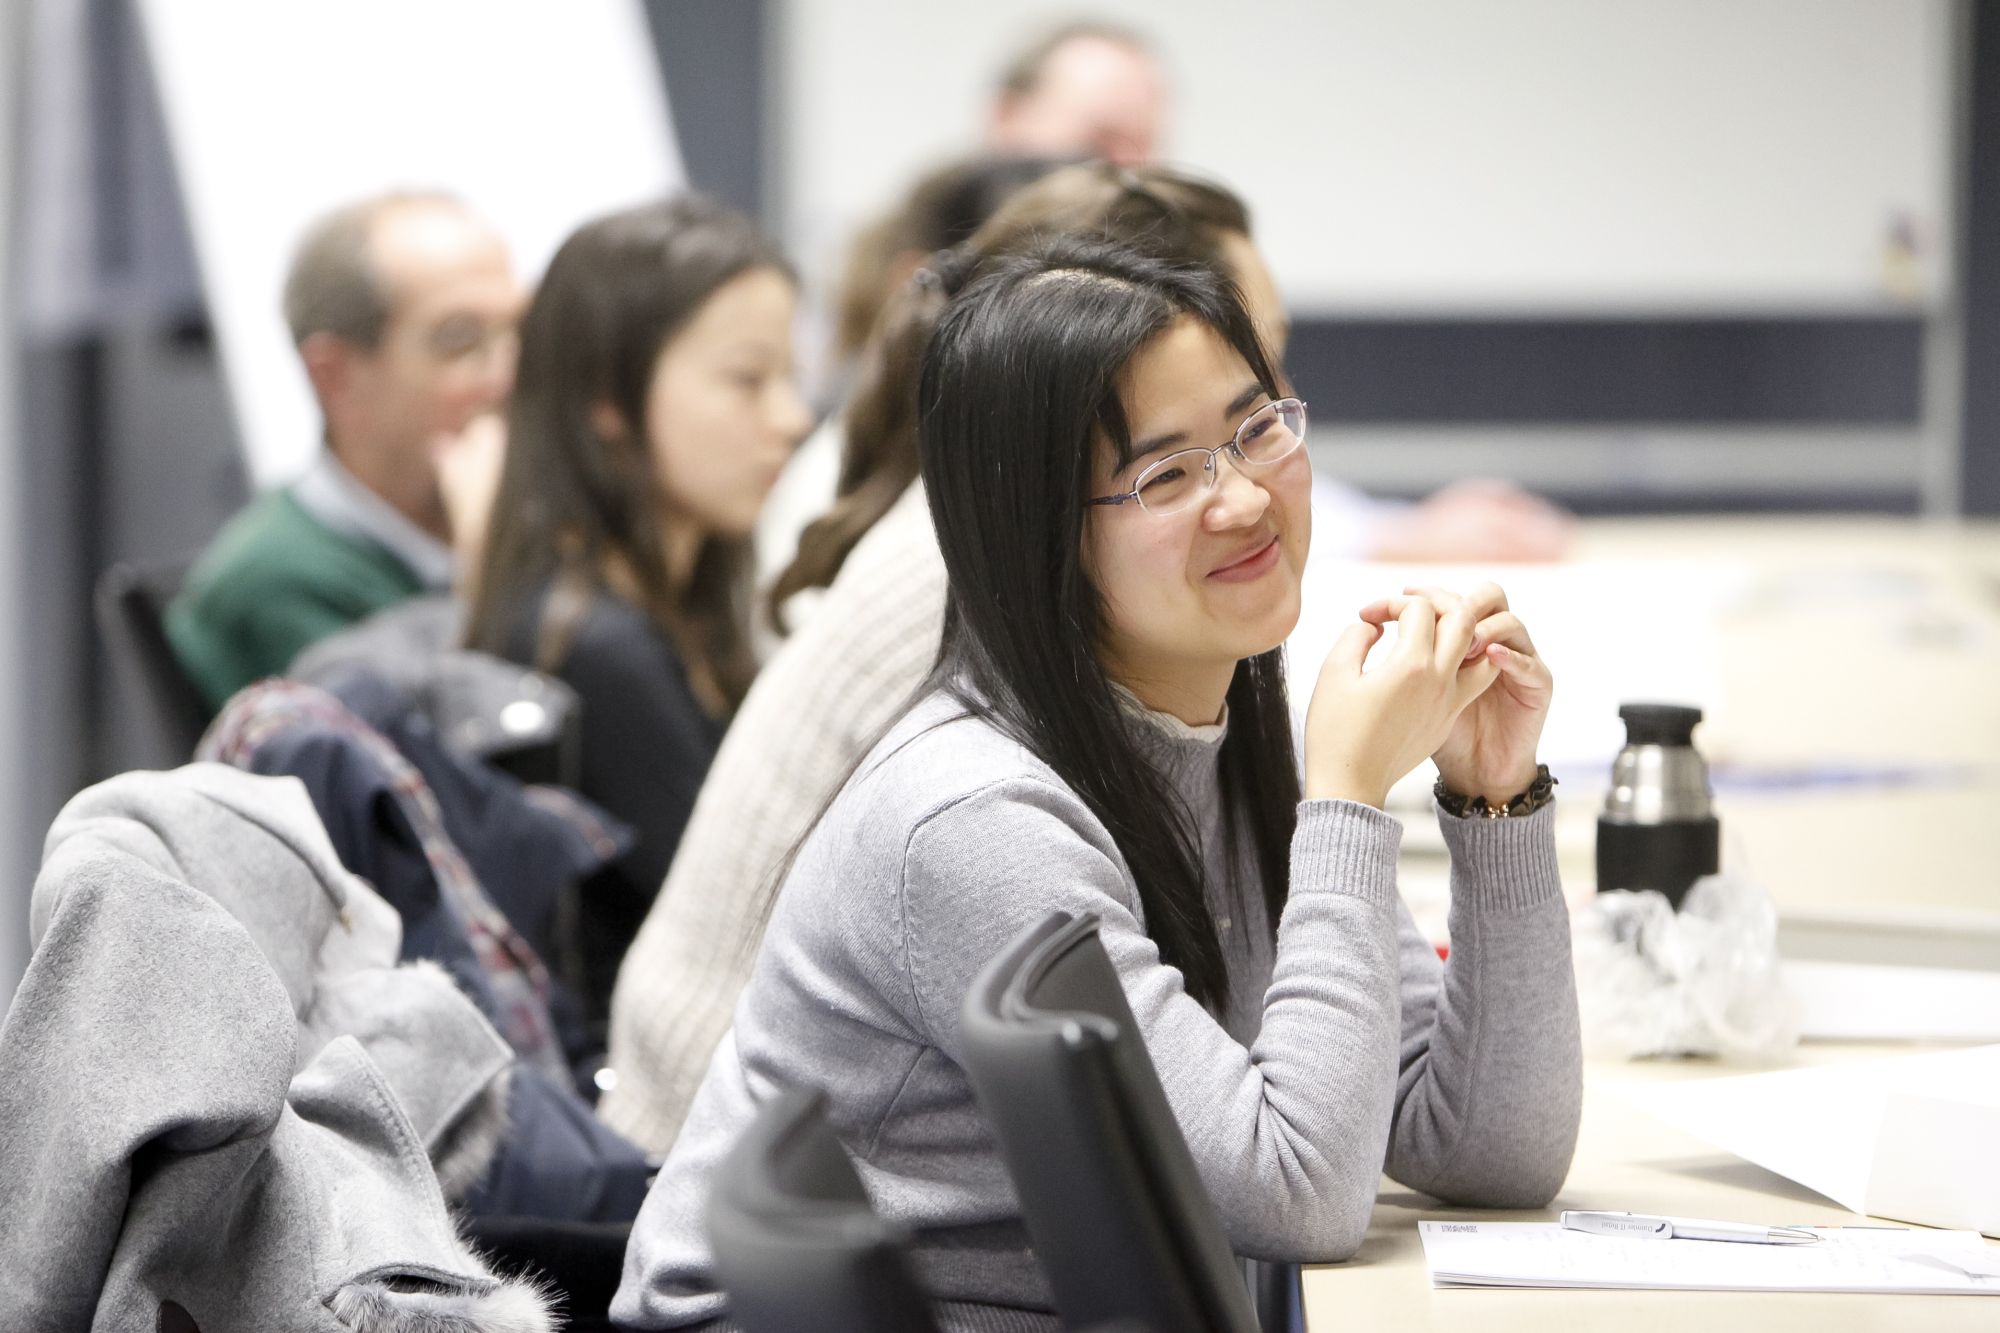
(572, 502)
(1018, 384)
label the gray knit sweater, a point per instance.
(1345, 1047)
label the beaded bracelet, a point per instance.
(1539, 793)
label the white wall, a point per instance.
(1461, 155)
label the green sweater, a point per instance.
(275, 580)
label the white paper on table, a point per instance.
(1937, 1161)
(1915, 1137)
(1545, 1254)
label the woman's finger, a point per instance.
(1383, 610)
(1483, 598)
(1454, 635)
(1481, 604)
(1528, 671)
(1472, 680)
(1502, 627)
(1350, 650)
(1489, 598)
(1417, 626)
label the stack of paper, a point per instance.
(1544, 1254)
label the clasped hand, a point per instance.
(1462, 686)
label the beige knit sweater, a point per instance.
(816, 707)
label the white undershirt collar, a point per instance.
(1167, 723)
(337, 498)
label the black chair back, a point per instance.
(1121, 1223)
(131, 606)
(796, 1245)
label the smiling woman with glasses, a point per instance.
(1106, 733)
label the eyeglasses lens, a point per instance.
(1269, 434)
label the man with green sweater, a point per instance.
(403, 309)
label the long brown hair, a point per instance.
(577, 508)
(1154, 209)
(943, 209)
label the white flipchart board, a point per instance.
(539, 115)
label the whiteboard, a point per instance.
(538, 115)
(1533, 156)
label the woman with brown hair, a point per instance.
(653, 408)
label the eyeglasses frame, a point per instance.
(1233, 445)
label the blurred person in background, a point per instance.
(655, 405)
(1081, 91)
(941, 210)
(1086, 89)
(403, 308)
(1094, 89)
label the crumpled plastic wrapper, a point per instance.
(1700, 981)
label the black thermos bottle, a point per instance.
(1658, 829)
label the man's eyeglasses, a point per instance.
(1269, 435)
(468, 338)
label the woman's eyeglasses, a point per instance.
(1269, 435)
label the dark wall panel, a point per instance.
(1981, 475)
(712, 55)
(1852, 371)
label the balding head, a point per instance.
(1083, 90)
(334, 285)
(403, 308)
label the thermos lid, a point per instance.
(1659, 724)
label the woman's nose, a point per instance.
(793, 418)
(1236, 500)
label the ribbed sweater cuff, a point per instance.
(1505, 864)
(1346, 847)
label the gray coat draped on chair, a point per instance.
(227, 1109)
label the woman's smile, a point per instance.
(1245, 567)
